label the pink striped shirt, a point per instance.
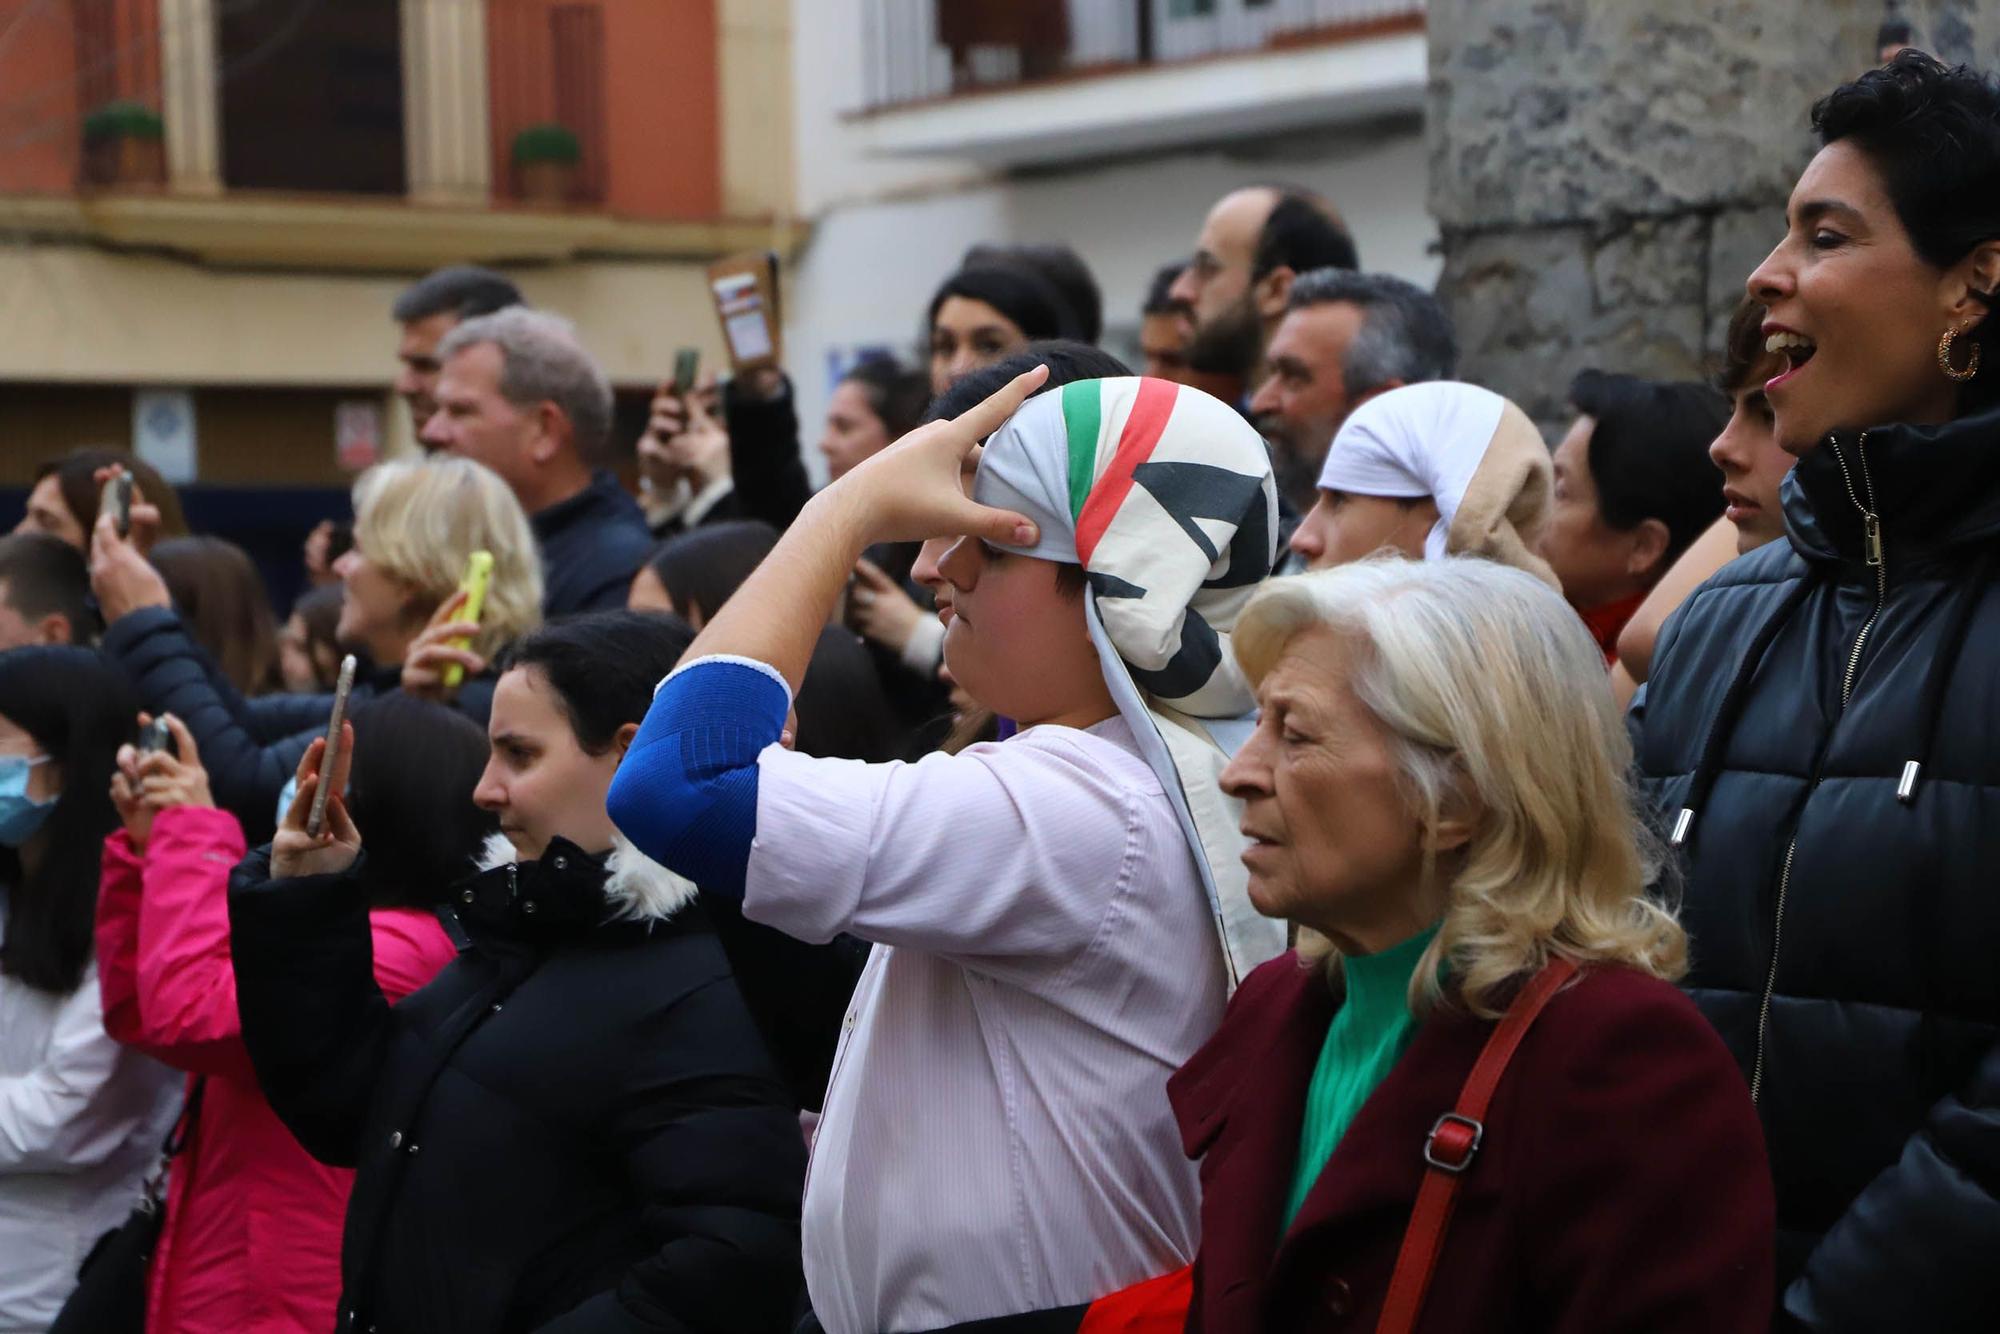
(996, 1137)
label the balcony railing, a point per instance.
(923, 50)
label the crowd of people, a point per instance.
(1270, 842)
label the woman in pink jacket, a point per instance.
(251, 1241)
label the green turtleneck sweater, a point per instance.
(1363, 1043)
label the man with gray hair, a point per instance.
(1345, 338)
(519, 394)
(432, 307)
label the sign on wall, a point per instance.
(163, 432)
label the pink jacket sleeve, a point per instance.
(118, 939)
(186, 988)
(163, 943)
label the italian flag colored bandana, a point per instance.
(1164, 495)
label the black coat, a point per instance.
(592, 544)
(764, 455)
(574, 1127)
(1788, 701)
(250, 747)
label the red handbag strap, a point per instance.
(1453, 1143)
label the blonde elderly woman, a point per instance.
(1435, 797)
(416, 524)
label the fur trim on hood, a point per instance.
(638, 889)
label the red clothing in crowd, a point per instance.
(1622, 1184)
(1605, 621)
(252, 1235)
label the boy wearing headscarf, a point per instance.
(1432, 470)
(1059, 917)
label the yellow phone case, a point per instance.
(478, 572)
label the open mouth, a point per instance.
(1795, 348)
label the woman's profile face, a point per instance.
(539, 782)
(1334, 844)
(1853, 310)
(968, 334)
(296, 663)
(1753, 466)
(375, 606)
(853, 431)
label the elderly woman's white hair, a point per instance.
(1489, 687)
(421, 522)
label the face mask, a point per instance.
(21, 816)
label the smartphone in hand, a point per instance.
(687, 368)
(330, 758)
(155, 737)
(478, 573)
(116, 501)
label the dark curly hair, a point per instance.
(1932, 132)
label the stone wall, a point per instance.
(1606, 173)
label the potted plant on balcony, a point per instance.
(546, 163)
(124, 145)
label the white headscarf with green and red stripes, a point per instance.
(1164, 496)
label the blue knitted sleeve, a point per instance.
(686, 792)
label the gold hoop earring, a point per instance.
(1944, 359)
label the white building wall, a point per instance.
(887, 230)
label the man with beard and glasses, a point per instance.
(1253, 245)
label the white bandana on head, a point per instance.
(1474, 453)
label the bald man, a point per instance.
(1254, 242)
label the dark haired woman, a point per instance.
(222, 600)
(1753, 467)
(81, 1118)
(309, 642)
(1634, 487)
(576, 1126)
(252, 1232)
(67, 495)
(875, 404)
(987, 311)
(1822, 733)
(692, 575)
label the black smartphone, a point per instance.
(155, 736)
(117, 499)
(330, 758)
(687, 367)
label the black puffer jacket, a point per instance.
(1829, 711)
(575, 1127)
(250, 747)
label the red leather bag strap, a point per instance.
(1453, 1143)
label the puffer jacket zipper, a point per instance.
(1871, 536)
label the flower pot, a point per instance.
(551, 184)
(125, 162)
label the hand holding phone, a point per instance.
(478, 573)
(331, 767)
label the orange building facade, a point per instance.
(223, 199)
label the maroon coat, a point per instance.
(1622, 1185)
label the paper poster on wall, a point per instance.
(357, 433)
(163, 432)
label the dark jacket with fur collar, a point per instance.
(574, 1127)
